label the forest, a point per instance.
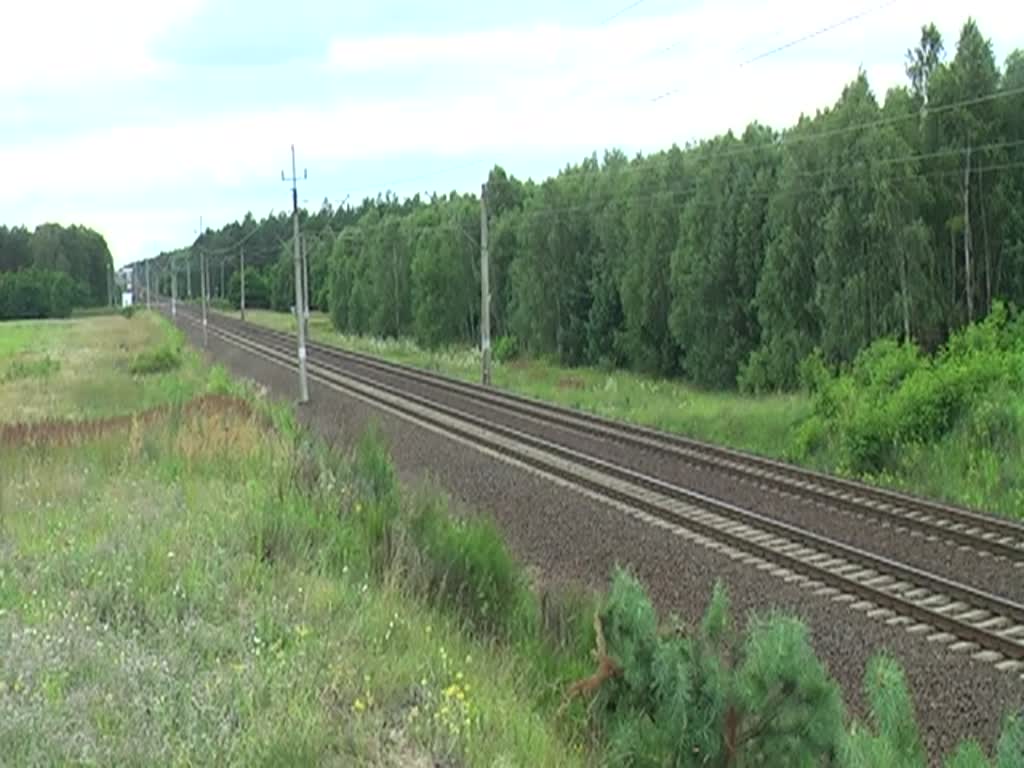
(44, 273)
(727, 262)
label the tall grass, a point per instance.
(31, 368)
(160, 360)
(94, 367)
(218, 587)
(208, 603)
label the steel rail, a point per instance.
(998, 536)
(967, 614)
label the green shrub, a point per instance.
(774, 367)
(506, 348)
(128, 312)
(885, 364)
(375, 515)
(807, 439)
(36, 293)
(256, 291)
(219, 382)
(63, 295)
(160, 360)
(713, 695)
(465, 564)
(894, 398)
(460, 564)
(892, 739)
(374, 469)
(1010, 749)
(813, 373)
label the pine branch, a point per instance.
(607, 668)
(773, 707)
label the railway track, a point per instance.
(984, 533)
(965, 619)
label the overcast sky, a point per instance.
(138, 117)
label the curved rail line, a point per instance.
(966, 619)
(986, 533)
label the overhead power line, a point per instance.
(622, 12)
(800, 138)
(241, 241)
(783, 140)
(420, 177)
(791, 137)
(817, 33)
(787, 137)
(787, 45)
(475, 163)
(808, 180)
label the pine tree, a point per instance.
(712, 695)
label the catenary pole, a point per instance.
(485, 293)
(299, 308)
(968, 269)
(203, 284)
(241, 273)
(305, 285)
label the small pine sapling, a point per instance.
(893, 738)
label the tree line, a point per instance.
(43, 273)
(727, 262)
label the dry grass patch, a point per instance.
(92, 374)
(140, 623)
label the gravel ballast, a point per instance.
(974, 568)
(568, 536)
(971, 567)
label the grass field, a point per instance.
(80, 312)
(82, 368)
(211, 586)
(194, 591)
(759, 424)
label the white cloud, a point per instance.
(65, 43)
(550, 90)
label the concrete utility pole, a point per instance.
(969, 277)
(305, 286)
(202, 293)
(241, 258)
(299, 309)
(485, 292)
(204, 283)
